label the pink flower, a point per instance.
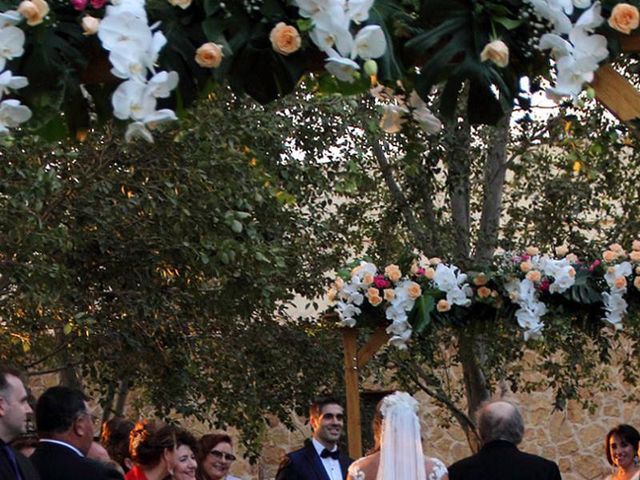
(420, 271)
(594, 265)
(544, 284)
(381, 282)
(98, 3)
(79, 4)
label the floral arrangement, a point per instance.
(162, 54)
(528, 280)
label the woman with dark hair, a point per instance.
(621, 448)
(161, 451)
(115, 439)
(215, 457)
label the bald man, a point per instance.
(501, 429)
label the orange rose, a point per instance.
(635, 256)
(375, 301)
(616, 247)
(525, 266)
(561, 251)
(373, 292)
(609, 256)
(33, 11)
(389, 294)
(339, 283)
(430, 273)
(393, 272)
(636, 282)
(571, 272)
(620, 282)
(534, 276)
(480, 280)
(531, 251)
(443, 306)
(285, 39)
(367, 279)
(209, 55)
(636, 245)
(484, 292)
(624, 18)
(414, 290)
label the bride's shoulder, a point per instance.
(435, 469)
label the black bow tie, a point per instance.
(326, 454)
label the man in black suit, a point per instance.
(320, 458)
(65, 427)
(14, 408)
(501, 428)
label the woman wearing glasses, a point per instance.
(216, 456)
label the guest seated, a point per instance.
(215, 457)
(158, 451)
(621, 448)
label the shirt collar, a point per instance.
(319, 447)
(58, 442)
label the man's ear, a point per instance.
(3, 406)
(313, 422)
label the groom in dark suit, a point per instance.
(14, 408)
(65, 427)
(501, 429)
(320, 458)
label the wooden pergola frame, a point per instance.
(612, 90)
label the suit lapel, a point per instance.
(345, 461)
(315, 464)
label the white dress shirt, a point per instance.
(331, 465)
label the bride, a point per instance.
(397, 453)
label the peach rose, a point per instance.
(414, 290)
(429, 273)
(331, 294)
(414, 268)
(393, 272)
(484, 292)
(480, 280)
(624, 18)
(635, 256)
(375, 301)
(616, 247)
(572, 258)
(525, 266)
(531, 251)
(496, 51)
(373, 292)
(611, 270)
(636, 282)
(90, 25)
(367, 279)
(620, 282)
(285, 39)
(389, 294)
(561, 251)
(571, 272)
(435, 261)
(339, 283)
(443, 306)
(183, 4)
(33, 11)
(636, 245)
(609, 256)
(209, 55)
(534, 276)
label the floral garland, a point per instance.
(521, 279)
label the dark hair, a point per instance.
(205, 445)
(505, 425)
(5, 371)
(149, 440)
(57, 409)
(115, 438)
(626, 433)
(315, 410)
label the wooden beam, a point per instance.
(629, 43)
(616, 93)
(377, 339)
(351, 380)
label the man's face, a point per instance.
(328, 427)
(14, 408)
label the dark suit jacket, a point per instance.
(501, 460)
(305, 464)
(27, 470)
(57, 462)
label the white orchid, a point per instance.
(11, 43)
(615, 308)
(358, 10)
(162, 83)
(125, 32)
(331, 30)
(132, 99)
(12, 114)
(309, 8)
(342, 68)
(142, 129)
(9, 18)
(10, 82)
(370, 42)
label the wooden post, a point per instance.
(354, 360)
(616, 93)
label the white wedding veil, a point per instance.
(401, 456)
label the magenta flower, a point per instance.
(380, 282)
(98, 3)
(544, 284)
(596, 263)
(79, 5)
(420, 271)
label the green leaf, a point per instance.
(508, 23)
(423, 308)
(236, 226)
